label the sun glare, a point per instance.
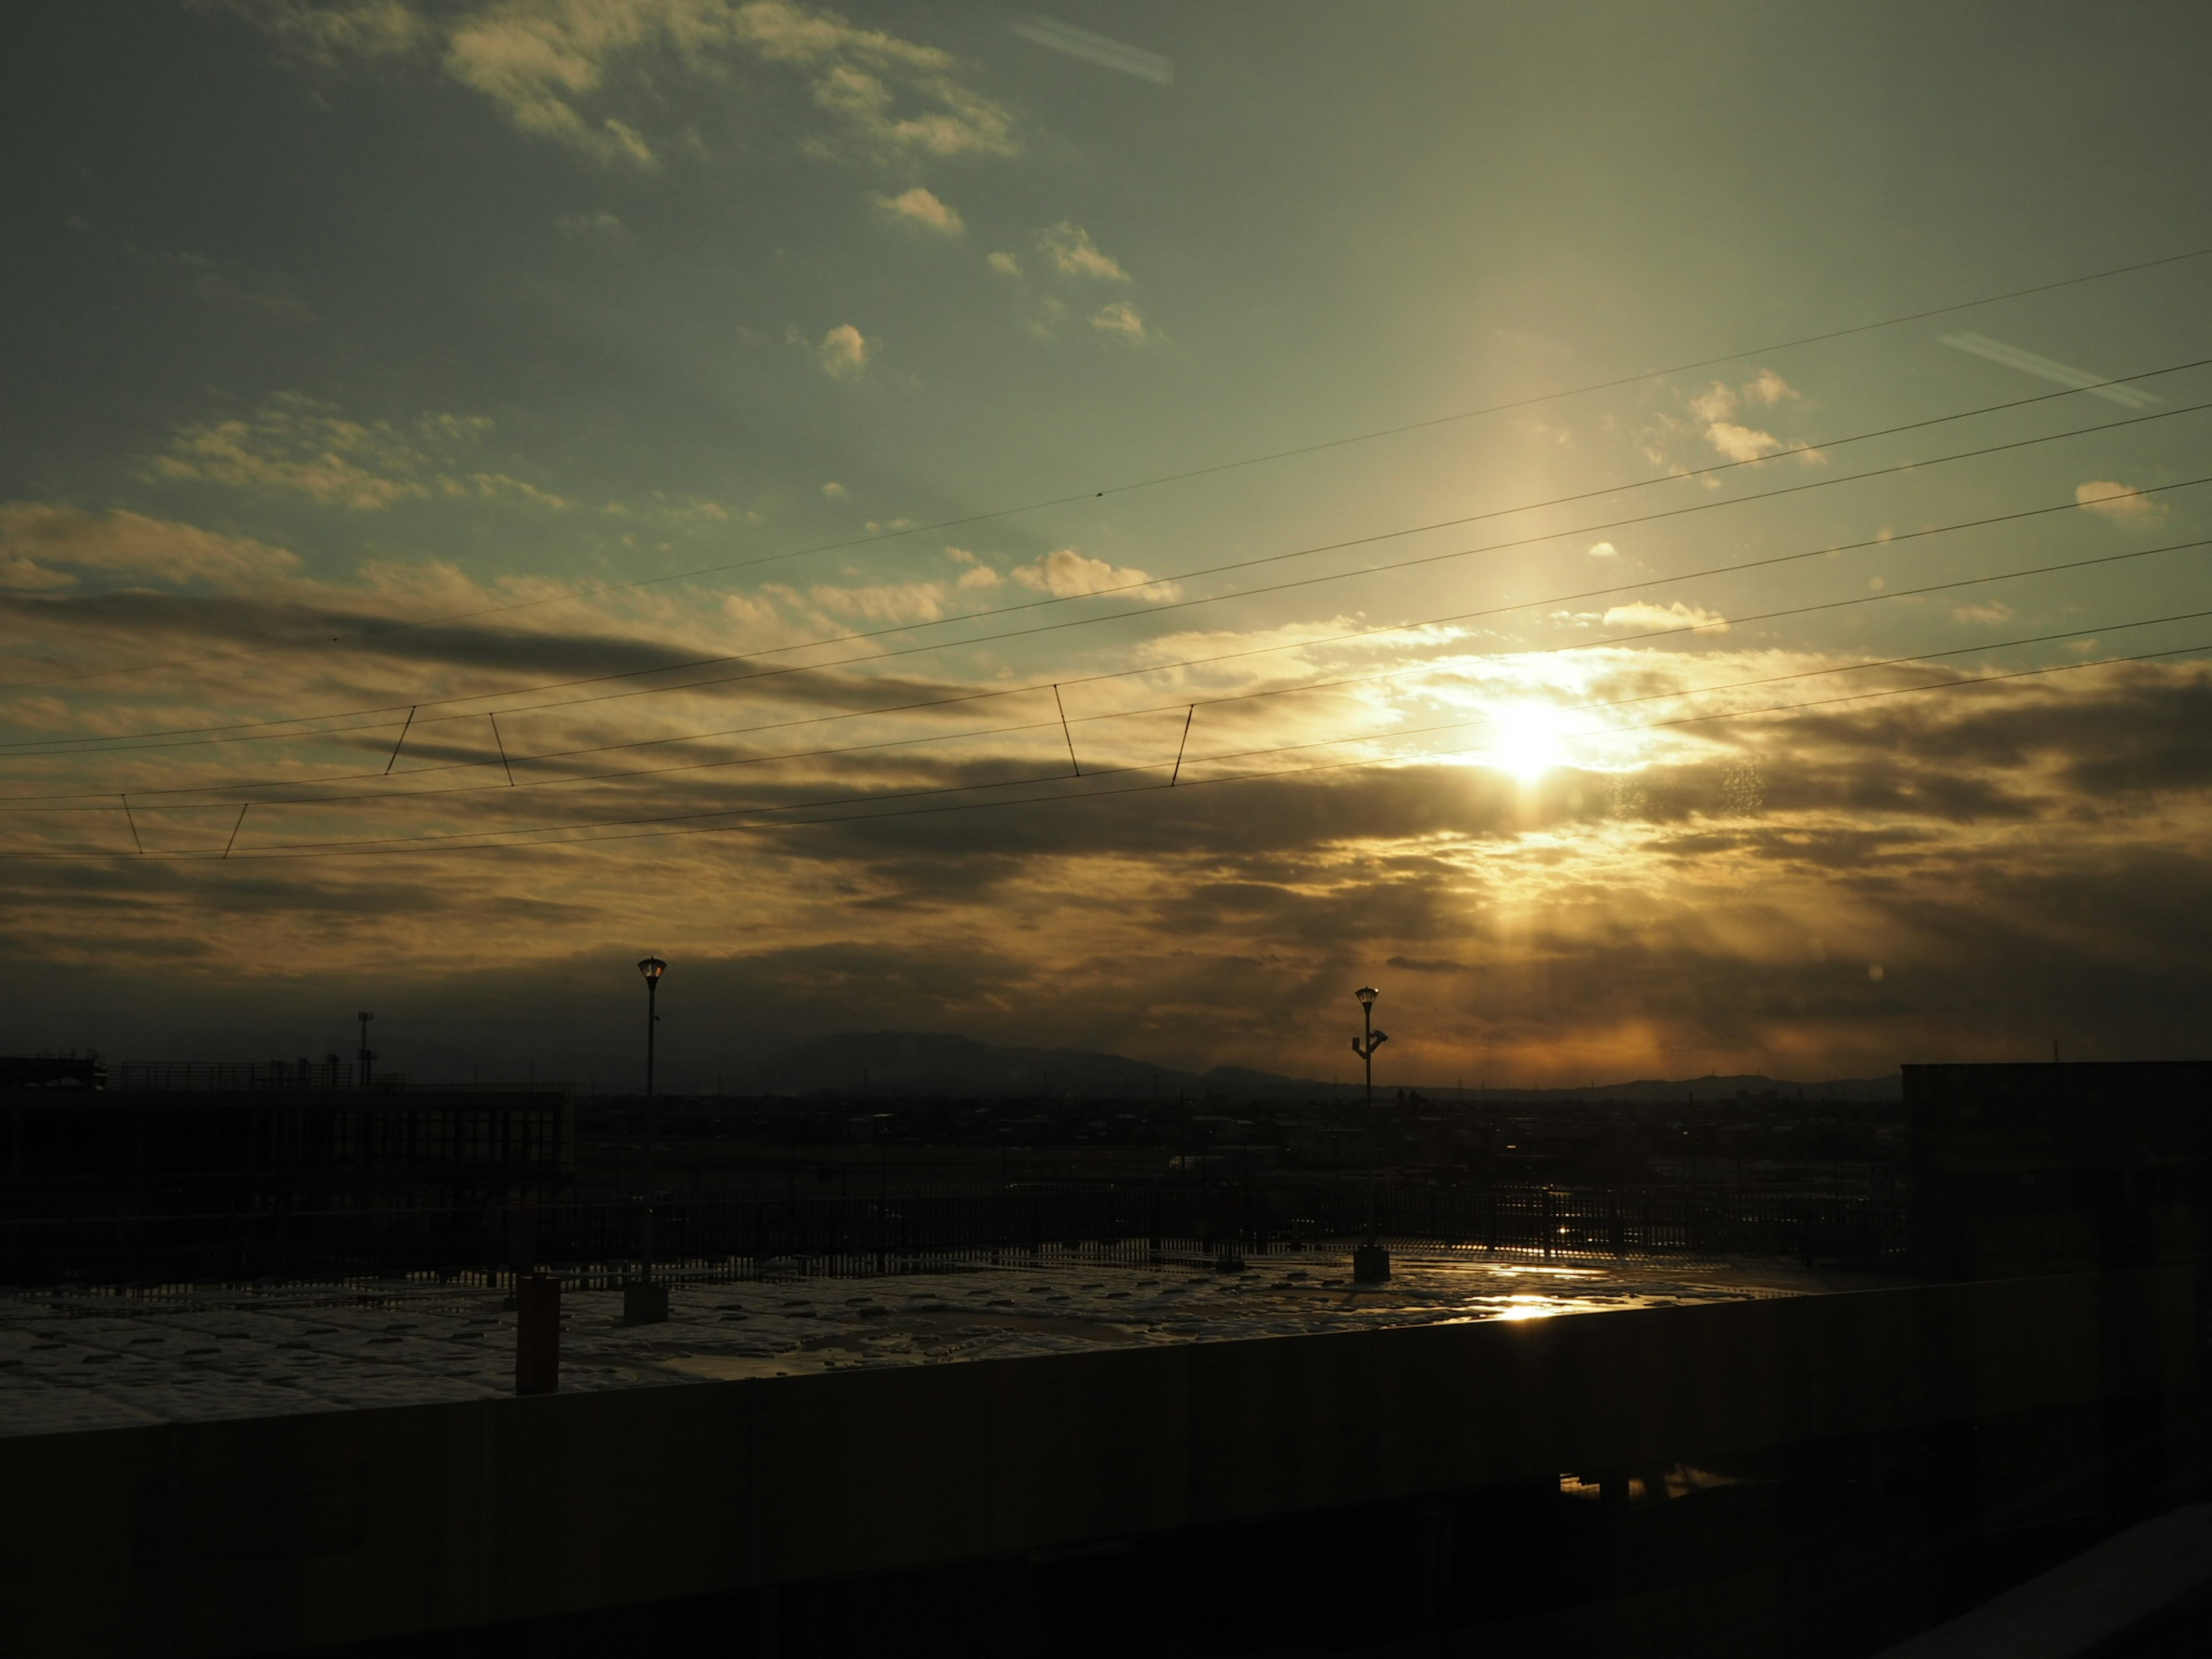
(1531, 739)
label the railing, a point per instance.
(745, 1236)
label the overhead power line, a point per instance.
(479, 840)
(367, 719)
(1133, 486)
(225, 793)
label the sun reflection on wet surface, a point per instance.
(84, 1360)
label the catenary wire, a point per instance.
(1155, 481)
(253, 732)
(433, 840)
(35, 804)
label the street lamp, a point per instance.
(1376, 1039)
(652, 968)
(643, 1303)
(1370, 1262)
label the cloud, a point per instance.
(1071, 250)
(2046, 368)
(1740, 443)
(226, 282)
(1067, 573)
(295, 444)
(1643, 614)
(1004, 264)
(920, 207)
(976, 576)
(552, 66)
(2121, 503)
(1719, 402)
(843, 353)
(1769, 388)
(1120, 321)
(604, 228)
(885, 602)
(1602, 549)
(833, 491)
(1714, 403)
(327, 31)
(1995, 610)
(1056, 36)
(40, 545)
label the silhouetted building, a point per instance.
(52, 1071)
(133, 1151)
(2021, 1168)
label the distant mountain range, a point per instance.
(910, 1065)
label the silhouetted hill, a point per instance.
(907, 1065)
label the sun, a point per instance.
(1531, 741)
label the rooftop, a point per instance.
(87, 1359)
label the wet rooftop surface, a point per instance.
(73, 1360)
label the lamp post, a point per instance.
(1370, 1262)
(652, 968)
(1376, 1039)
(643, 1303)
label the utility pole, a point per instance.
(368, 1058)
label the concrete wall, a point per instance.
(260, 1534)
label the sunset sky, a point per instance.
(491, 489)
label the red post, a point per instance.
(537, 1334)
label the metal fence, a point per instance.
(743, 1235)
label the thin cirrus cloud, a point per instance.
(2047, 368)
(552, 67)
(1642, 614)
(1117, 55)
(42, 546)
(296, 445)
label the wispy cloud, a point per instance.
(1120, 321)
(42, 547)
(1056, 36)
(1719, 402)
(1643, 614)
(225, 283)
(601, 227)
(2046, 368)
(1066, 573)
(299, 444)
(2121, 503)
(920, 207)
(553, 66)
(1073, 252)
(328, 31)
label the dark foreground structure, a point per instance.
(1806, 1475)
(65, 1153)
(1817, 1475)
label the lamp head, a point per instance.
(652, 968)
(1367, 993)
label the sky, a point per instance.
(1668, 539)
